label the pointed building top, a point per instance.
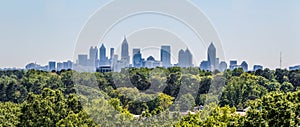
(125, 40)
(187, 50)
(181, 51)
(102, 46)
(212, 45)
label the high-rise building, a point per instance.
(181, 58)
(223, 66)
(93, 61)
(233, 64)
(103, 59)
(244, 65)
(125, 52)
(112, 53)
(137, 60)
(185, 58)
(165, 55)
(82, 60)
(52, 65)
(211, 56)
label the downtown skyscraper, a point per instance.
(103, 58)
(125, 52)
(211, 57)
(185, 58)
(93, 56)
(165, 55)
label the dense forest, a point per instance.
(150, 97)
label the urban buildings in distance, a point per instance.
(52, 66)
(103, 63)
(98, 60)
(213, 63)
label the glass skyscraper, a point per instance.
(103, 59)
(165, 55)
(211, 56)
(125, 52)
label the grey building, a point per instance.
(211, 56)
(125, 52)
(185, 58)
(93, 61)
(82, 60)
(112, 53)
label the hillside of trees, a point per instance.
(150, 97)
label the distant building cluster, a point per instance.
(104, 64)
(97, 60)
(52, 66)
(213, 63)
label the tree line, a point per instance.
(70, 98)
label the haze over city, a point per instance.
(255, 31)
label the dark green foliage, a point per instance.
(276, 109)
(69, 98)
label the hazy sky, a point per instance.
(252, 30)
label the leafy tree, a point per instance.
(241, 89)
(274, 110)
(9, 114)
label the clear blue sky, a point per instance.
(252, 30)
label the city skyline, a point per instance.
(185, 59)
(256, 31)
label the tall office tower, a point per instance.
(185, 58)
(125, 52)
(165, 55)
(223, 66)
(211, 56)
(82, 60)
(244, 65)
(112, 53)
(233, 64)
(103, 59)
(51, 66)
(181, 58)
(137, 58)
(93, 56)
